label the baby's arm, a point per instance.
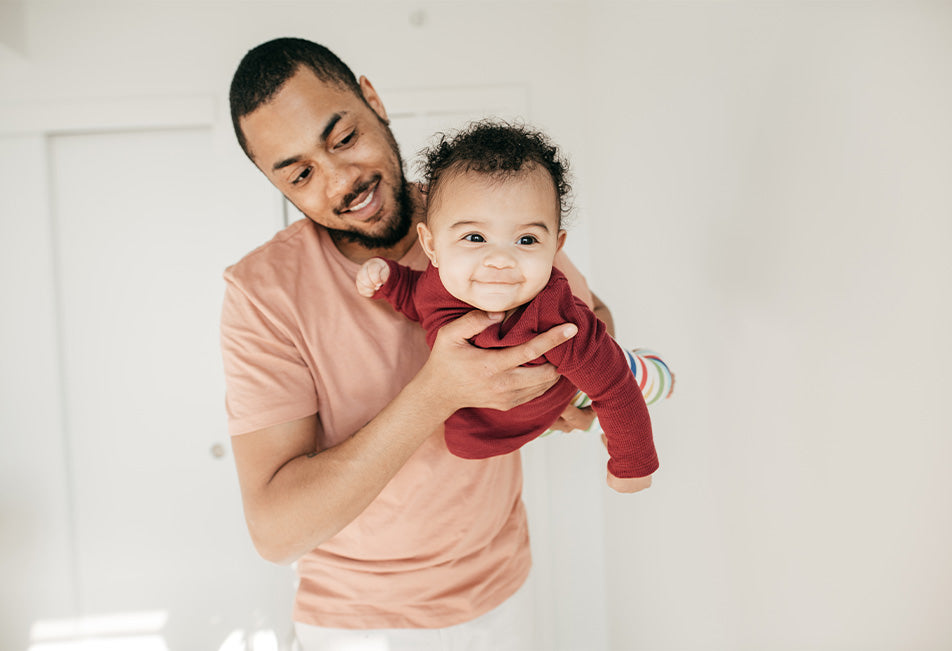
(371, 276)
(597, 366)
(394, 282)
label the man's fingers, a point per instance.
(536, 347)
(493, 378)
(470, 325)
(578, 418)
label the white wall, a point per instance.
(763, 197)
(779, 178)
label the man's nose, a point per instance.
(341, 180)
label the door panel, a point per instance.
(157, 512)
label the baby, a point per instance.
(496, 196)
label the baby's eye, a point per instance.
(474, 237)
(528, 239)
(305, 173)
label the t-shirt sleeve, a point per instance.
(266, 379)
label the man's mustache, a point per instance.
(356, 192)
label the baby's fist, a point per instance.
(371, 276)
(628, 484)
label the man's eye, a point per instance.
(528, 239)
(348, 139)
(302, 176)
(474, 237)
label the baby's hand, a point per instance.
(629, 484)
(371, 276)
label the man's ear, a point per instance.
(561, 243)
(372, 98)
(426, 241)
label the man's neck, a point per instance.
(358, 253)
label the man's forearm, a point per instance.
(314, 495)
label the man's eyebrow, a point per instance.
(331, 123)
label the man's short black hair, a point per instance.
(499, 150)
(264, 69)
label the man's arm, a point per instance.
(296, 498)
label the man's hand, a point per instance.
(574, 418)
(371, 276)
(628, 484)
(462, 375)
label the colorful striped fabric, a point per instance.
(653, 377)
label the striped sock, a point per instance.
(653, 377)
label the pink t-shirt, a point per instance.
(447, 539)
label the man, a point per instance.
(336, 404)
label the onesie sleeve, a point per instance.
(399, 290)
(596, 364)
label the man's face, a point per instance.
(494, 241)
(333, 156)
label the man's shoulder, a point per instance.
(283, 252)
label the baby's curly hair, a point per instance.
(497, 149)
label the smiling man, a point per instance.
(341, 167)
(335, 403)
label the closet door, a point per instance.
(156, 512)
(35, 562)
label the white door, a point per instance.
(157, 524)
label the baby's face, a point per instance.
(493, 241)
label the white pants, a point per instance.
(508, 627)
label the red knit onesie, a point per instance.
(590, 361)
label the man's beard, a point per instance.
(395, 229)
(400, 222)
